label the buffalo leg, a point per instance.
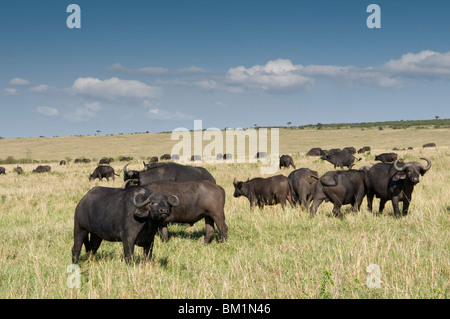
(382, 204)
(370, 201)
(128, 250)
(94, 243)
(209, 228)
(337, 211)
(395, 206)
(80, 237)
(406, 203)
(223, 228)
(165, 233)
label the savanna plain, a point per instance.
(270, 252)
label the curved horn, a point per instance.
(176, 203)
(398, 168)
(144, 192)
(125, 171)
(128, 182)
(428, 164)
(234, 181)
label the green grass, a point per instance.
(270, 253)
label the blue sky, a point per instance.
(137, 66)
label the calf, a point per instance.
(286, 161)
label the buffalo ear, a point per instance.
(398, 176)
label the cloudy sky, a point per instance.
(137, 66)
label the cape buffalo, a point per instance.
(62, 162)
(350, 149)
(2, 170)
(339, 158)
(341, 188)
(131, 216)
(364, 149)
(18, 170)
(394, 181)
(125, 158)
(196, 158)
(103, 171)
(165, 157)
(265, 191)
(42, 169)
(261, 155)
(170, 172)
(315, 151)
(429, 145)
(197, 200)
(303, 183)
(286, 161)
(386, 157)
(106, 160)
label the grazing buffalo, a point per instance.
(395, 182)
(340, 188)
(78, 160)
(131, 216)
(42, 169)
(103, 171)
(265, 191)
(2, 170)
(386, 157)
(286, 161)
(165, 157)
(315, 151)
(169, 172)
(62, 162)
(197, 200)
(125, 158)
(364, 149)
(429, 145)
(350, 149)
(106, 161)
(339, 158)
(18, 170)
(303, 183)
(154, 159)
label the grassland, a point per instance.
(270, 253)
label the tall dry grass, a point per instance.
(270, 253)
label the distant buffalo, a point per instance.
(154, 159)
(339, 158)
(106, 160)
(286, 161)
(350, 149)
(62, 162)
(429, 145)
(82, 160)
(364, 149)
(42, 169)
(18, 170)
(386, 157)
(196, 158)
(261, 155)
(165, 157)
(315, 151)
(125, 158)
(103, 171)
(2, 170)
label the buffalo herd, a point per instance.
(168, 192)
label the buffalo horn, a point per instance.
(428, 164)
(139, 204)
(176, 203)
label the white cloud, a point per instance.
(39, 88)
(275, 76)
(84, 113)
(146, 70)
(115, 87)
(46, 110)
(19, 81)
(9, 92)
(158, 114)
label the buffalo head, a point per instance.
(411, 170)
(155, 206)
